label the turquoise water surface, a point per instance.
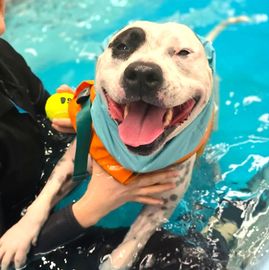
(61, 40)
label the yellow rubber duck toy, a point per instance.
(57, 105)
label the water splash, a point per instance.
(214, 153)
(253, 236)
(251, 99)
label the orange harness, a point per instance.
(100, 154)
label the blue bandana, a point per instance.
(178, 147)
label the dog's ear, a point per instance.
(210, 52)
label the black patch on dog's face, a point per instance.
(127, 42)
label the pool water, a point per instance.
(61, 40)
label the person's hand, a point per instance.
(63, 125)
(17, 241)
(105, 194)
(64, 88)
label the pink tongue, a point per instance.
(142, 125)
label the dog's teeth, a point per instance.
(168, 117)
(126, 110)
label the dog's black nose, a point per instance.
(141, 78)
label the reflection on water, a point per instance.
(61, 40)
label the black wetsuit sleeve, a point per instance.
(61, 228)
(20, 81)
(21, 138)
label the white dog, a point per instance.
(162, 82)
(155, 82)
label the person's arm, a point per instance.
(61, 227)
(20, 75)
(16, 242)
(25, 87)
(103, 195)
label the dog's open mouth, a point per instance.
(143, 127)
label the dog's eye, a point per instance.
(183, 52)
(122, 47)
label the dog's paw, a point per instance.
(17, 241)
(15, 244)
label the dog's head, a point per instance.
(155, 79)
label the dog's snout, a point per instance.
(142, 77)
